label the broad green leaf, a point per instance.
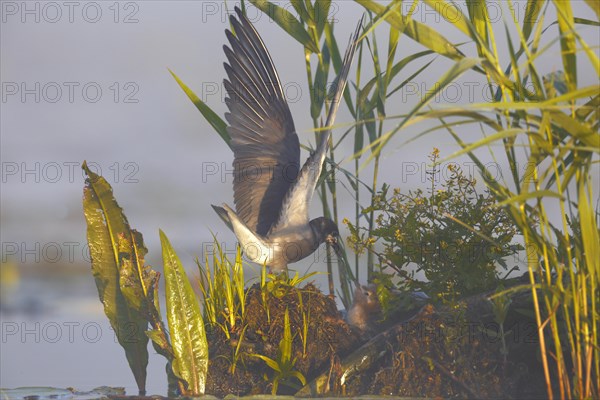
(105, 222)
(288, 22)
(139, 285)
(211, 117)
(136, 279)
(186, 325)
(417, 31)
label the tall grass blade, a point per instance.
(567, 41)
(454, 72)
(211, 117)
(321, 10)
(417, 31)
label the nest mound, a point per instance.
(328, 337)
(449, 352)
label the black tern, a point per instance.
(271, 193)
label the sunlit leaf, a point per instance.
(478, 16)
(288, 22)
(105, 222)
(136, 279)
(186, 325)
(321, 11)
(589, 229)
(532, 11)
(300, 8)
(211, 117)
(417, 31)
(567, 41)
(486, 141)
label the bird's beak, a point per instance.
(332, 240)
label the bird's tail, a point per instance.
(222, 213)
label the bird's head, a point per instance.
(366, 296)
(325, 230)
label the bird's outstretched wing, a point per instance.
(294, 211)
(264, 142)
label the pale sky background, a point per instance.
(148, 139)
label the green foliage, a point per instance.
(555, 120)
(112, 245)
(420, 32)
(454, 235)
(188, 336)
(128, 288)
(283, 366)
(139, 284)
(279, 285)
(223, 291)
(288, 22)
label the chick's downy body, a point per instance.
(365, 311)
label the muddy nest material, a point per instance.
(456, 352)
(328, 337)
(449, 352)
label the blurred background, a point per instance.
(90, 81)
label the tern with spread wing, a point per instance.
(271, 192)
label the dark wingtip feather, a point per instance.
(223, 215)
